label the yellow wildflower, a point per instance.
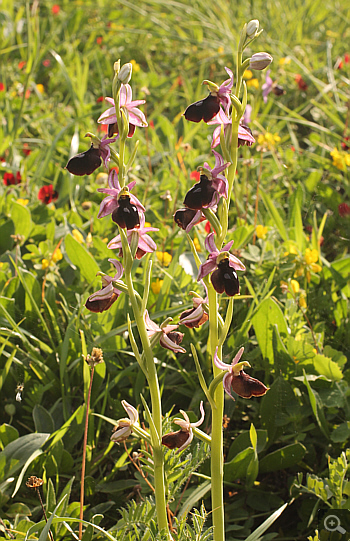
(284, 61)
(254, 83)
(291, 250)
(261, 231)
(248, 74)
(23, 202)
(135, 66)
(147, 224)
(295, 286)
(302, 302)
(311, 256)
(57, 255)
(316, 267)
(221, 50)
(268, 139)
(78, 236)
(40, 88)
(341, 159)
(1, 264)
(44, 263)
(164, 258)
(196, 244)
(157, 286)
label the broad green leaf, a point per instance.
(8, 433)
(19, 509)
(268, 315)
(16, 453)
(243, 441)
(282, 458)
(326, 367)
(80, 257)
(279, 400)
(22, 221)
(237, 468)
(42, 419)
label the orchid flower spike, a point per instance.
(124, 427)
(237, 380)
(182, 438)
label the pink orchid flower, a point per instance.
(135, 115)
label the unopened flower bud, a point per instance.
(252, 28)
(260, 61)
(125, 73)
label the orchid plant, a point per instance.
(209, 198)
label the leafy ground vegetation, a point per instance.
(290, 222)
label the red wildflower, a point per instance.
(346, 143)
(343, 209)
(27, 94)
(21, 64)
(300, 82)
(115, 168)
(47, 194)
(10, 179)
(347, 58)
(26, 150)
(292, 148)
(195, 175)
(102, 128)
(2, 87)
(340, 64)
(55, 9)
(208, 228)
(99, 99)
(99, 40)
(46, 63)
(151, 124)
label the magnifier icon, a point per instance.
(332, 524)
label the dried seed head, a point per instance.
(34, 482)
(95, 358)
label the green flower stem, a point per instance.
(158, 457)
(201, 435)
(217, 461)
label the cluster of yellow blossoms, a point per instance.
(56, 256)
(268, 140)
(341, 159)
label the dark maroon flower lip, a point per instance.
(204, 109)
(174, 440)
(201, 194)
(225, 279)
(101, 305)
(85, 163)
(246, 386)
(126, 214)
